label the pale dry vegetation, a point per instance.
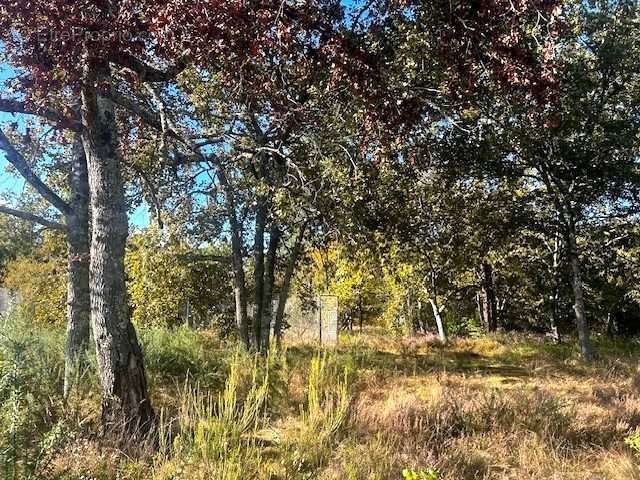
(490, 408)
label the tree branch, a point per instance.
(146, 72)
(148, 116)
(155, 120)
(15, 106)
(18, 161)
(30, 217)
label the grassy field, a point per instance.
(503, 407)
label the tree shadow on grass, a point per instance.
(513, 364)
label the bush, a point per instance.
(633, 441)
(182, 353)
(463, 327)
(426, 474)
(168, 287)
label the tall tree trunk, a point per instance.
(126, 407)
(611, 326)
(240, 291)
(480, 305)
(78, 293)
(239, 282)
(553, 318)
(579, 308)
(269, 279)
(77, 234)
(424, 323)
(555, 294)
(442, 335)
(566, 213)
(488, 298)
(258, 269)
(286, 283)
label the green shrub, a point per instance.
(40, 282)
(463, 327)
(425, 474)
(182, 353)
(633, 441)
(168, 287)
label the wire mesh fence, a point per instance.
(312, 321)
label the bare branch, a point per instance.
(30, 217)
(19, 162)
(15, 106)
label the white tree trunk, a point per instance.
(442, 335)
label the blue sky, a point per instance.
(8, 183)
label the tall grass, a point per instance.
(216, 434)
(31, 373)
(225, 435)
(309, 447)
(464, 410)
(327, 401)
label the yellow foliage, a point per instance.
(40, 282)
(165, 287)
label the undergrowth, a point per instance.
(499, 407)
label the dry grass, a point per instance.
(499, 408)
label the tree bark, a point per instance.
(555, 294)
(442, 335)
(239, 282)
(480, 305)
(76, 229)
(269, 280)
(286, 284)
(488, 298)
(553, 318)
(126, 406)
(240, 292)
(611, 326)
(78, 293)
(258, 270)
(424, 324)
(579, 308)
